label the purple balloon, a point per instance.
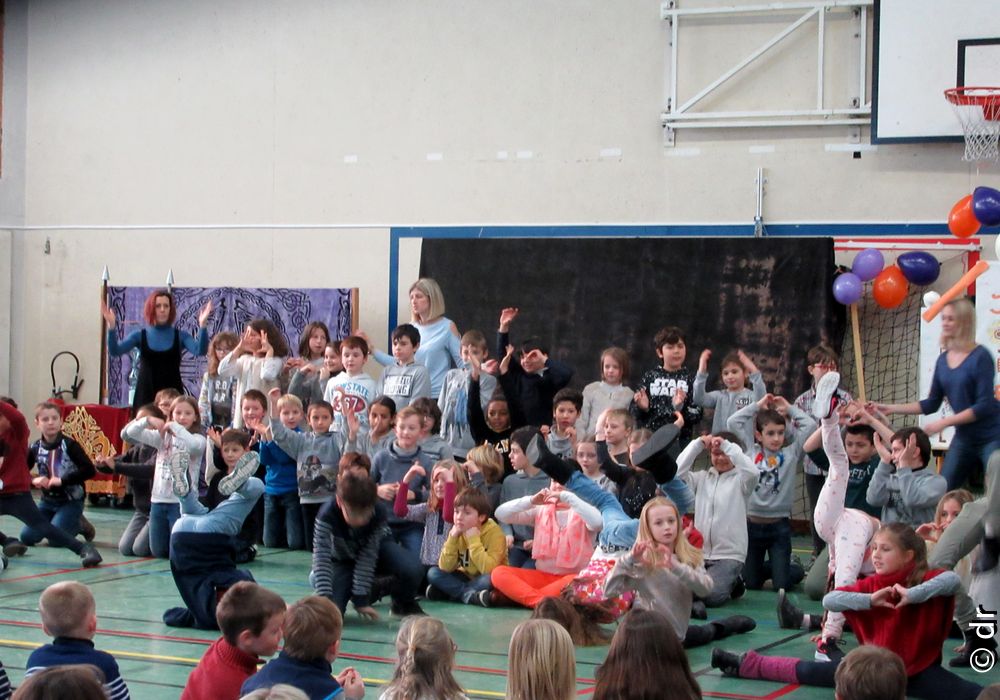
(847, 288)
(919, 268)
(986, 206)
(867, 264)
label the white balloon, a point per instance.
(930, 298)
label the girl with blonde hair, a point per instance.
(426, 663)
(541, 662)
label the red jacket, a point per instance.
(14, 467)
(220, 673)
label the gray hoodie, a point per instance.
(317, 458)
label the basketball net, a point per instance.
(978, 111)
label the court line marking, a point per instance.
(187, 661)
(76, 570)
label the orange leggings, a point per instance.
(528, 586)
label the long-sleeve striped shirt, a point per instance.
(337, 544)
(64, 651)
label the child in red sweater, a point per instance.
(15, 485)
(904, 608)
(251, 619)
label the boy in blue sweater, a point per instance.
(69, 615)
(312, 641)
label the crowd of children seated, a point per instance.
(510, 489)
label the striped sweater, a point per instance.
(64, 651)
(337, 545)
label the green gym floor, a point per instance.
(155, 659)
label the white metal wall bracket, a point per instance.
(858, 113)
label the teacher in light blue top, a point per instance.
(159, 344)
(440, 349)
(964, 374)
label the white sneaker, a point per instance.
(242, 470)
(826, 395)
(180, 460)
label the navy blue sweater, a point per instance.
(314, 678)
(65, 650)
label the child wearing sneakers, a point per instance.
(250, 618)
(15, 487)
(175, 441)
(474, 548)
(722, 493)
(62, 468)
(848, 532)
(353, 544)
(770, 508)
(820, 360)
(69, 615)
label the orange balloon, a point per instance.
(890, 288)
(962, 221)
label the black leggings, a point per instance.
(933, 683)
(22, 506)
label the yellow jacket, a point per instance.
(476, 555)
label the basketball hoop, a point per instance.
(978, 110)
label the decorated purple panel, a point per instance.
(233, 308)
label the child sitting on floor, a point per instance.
(721, 495)
(426, 664)
(69, 615)
(313, 628)
(904, 607)
(474, 548)
(251, 618)
(565, 530)
(437, 514)
(666, 572)
(907, 491)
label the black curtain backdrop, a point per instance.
(769, 297)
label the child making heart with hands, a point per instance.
(904, 607)
(666, 572)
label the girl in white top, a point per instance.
(256, 361)
(606, 394)
(426, 663)
(174, 440)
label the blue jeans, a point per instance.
(393, 560)
(680, 493)
(775, 541)
(619, 529)
(520, 558)
(283, 520)
(162, 517)
(64, 516)
(227, 517)
(964, 456)
(457, 585)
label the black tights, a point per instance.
(22, 506)
(933, 683)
